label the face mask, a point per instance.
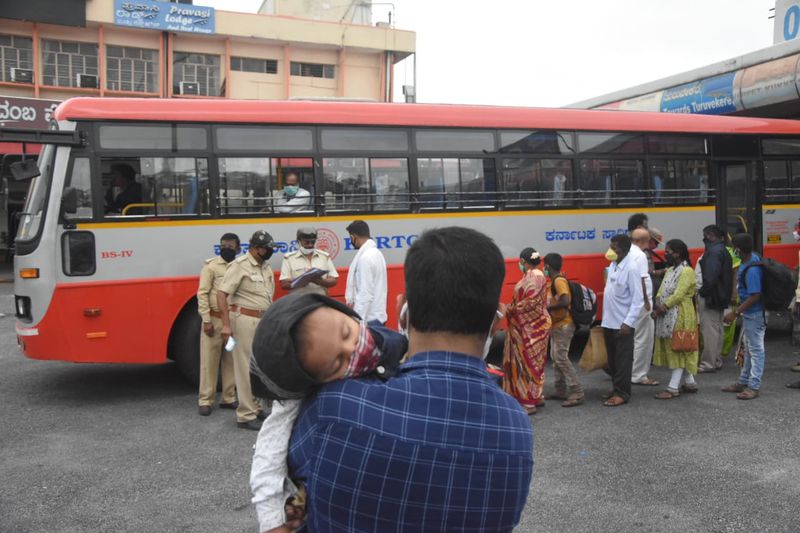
(265, 256)
(706, 241)
(522, 267)
(611, 255)
(487, 346)
(228, 254)
(671, 260)
(290, 190)
(306, 251)
(366, 356)
(547, 272)
(796, 235)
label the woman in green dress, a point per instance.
(674, 310)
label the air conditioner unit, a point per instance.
(21, 75)
(189, 87)
(87, 81)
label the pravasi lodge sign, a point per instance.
(164, 16)
(30, 113)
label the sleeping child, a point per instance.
(303, 341)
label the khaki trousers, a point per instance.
(566, 377)
(713, 335)
(643, 346)
(244, 329)
(211, 354)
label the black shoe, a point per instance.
(204, 410)
(254, 425)
(262, 415)
(232, 405)
(793, 385)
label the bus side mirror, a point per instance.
(24, 170)
(69, 201)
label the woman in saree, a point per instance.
(674, 312)
(525, 350)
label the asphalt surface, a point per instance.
(121, 448)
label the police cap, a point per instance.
(306, 233)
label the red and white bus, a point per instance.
(100, 286)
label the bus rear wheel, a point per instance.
(184, 342)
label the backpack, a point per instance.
(582, 305)
(777, 284)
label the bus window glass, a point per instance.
(33, 212)
(152, 137)
(734, 146)
(454, 141)
(794, 190)
(256, 185)
(390, 181)
(80, 179)
(629, 182)
(451, 183)
(263, 139)
(346, 184)
(620, 180)
(676, 144)
(537, 182)
(364, 140)
(155, 186)
(776, 182)
(361, 184)
(244, 185)
(786, 146)
(679, 181)
(537, 142)
(611, 143)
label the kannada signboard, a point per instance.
(26, 112)
(711, 96)
(165, 16)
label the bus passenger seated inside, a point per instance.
(293, 198)
(124, 190)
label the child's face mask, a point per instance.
(365, 357)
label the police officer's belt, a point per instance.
(255, 313)
(215, 314)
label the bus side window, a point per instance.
(80, 179)
(156, 186)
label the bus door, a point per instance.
(738, 199)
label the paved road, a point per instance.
(103, 447)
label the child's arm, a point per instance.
(269, 464)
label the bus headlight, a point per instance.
(23, 305)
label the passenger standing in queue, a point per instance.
(367, 280)
(250, 284)
(211, 342)
(306, 257)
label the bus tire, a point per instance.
(183, 346)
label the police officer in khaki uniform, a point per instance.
(296, 263)
(250, 284)
(210, 338)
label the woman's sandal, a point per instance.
(531, 410)
(689, 389)
(614, 401)
(667, 395)
(647, 381)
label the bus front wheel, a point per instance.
(184, 342)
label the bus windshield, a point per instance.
(33, 214)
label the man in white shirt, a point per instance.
(622, 304)
(645, 326)
(293, 198)
(366, 280)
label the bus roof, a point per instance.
(421, 115)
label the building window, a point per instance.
(202, 69)
(131, 69)
(313, 70)
(250, 64)
(15, 52)
(63, 61)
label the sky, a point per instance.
(551, 53)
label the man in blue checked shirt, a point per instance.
(439, 447)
